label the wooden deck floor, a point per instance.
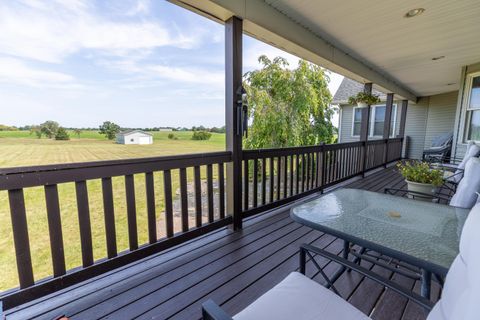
(232, 268)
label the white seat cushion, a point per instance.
(461, 292)
(300, 298)
(466, 193)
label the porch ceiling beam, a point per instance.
(269, 25)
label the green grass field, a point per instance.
(18, 148)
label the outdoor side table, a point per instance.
(422, 234)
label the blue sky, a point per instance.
(138, 63)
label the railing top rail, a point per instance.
(23, 177)
(108, 163)
(275, 152)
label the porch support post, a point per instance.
(233, 81)
(403, 120)
(387, 125)
(364, 127)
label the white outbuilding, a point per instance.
(134, 137)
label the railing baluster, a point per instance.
(20, 237)
(55, 230)
(221, 181)
(184, 198)
(131, 212)
(246, 181)
(151, 213)
(285, 176)
(307, 170)
(255, 183)
(167, 185)
(84, 223)
(279, 176)
(109, 217)
(297, 169)
(264, 180)
(291, 175)
(198, 197)
(272, 178)
(210, 193)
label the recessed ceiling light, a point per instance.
(438, 58)
(414, 12)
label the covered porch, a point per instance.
(238, 241)
(232, 268)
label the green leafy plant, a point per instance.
(201, 135)
(171, 136)
(420, 172)
(363, 97)
(62, 134)
(109, 129)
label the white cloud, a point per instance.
(16, 71)
(51, 31)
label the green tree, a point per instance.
(49, 128)
(288, 107)
(62, 134)
(77, 132)
(36, 130)
(201, 135)
(109, 129)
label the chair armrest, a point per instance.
(393, 191)
(211, 311)
(427, 304)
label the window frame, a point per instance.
(372, 120)
(467, 110)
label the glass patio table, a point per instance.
(423, 234)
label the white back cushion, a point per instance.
(466, 194)
(461, 292)
(473, 150)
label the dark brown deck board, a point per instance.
(232, 268)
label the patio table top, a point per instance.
(421, 233)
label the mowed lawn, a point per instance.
(21, 149)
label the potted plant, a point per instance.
(421, 178)
(363, 99)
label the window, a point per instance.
(377, 120)
(357, 121)
(472, 125)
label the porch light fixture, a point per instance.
(438, 58)
(414, 12)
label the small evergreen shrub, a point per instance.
(62, 134)
(201, 135)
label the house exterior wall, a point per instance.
(426, 119)
(460, 146)
(415, 128)
(441, 115)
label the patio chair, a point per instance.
(298, 297)
(440, 148)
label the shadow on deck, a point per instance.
(232, 268)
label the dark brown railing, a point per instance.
(177, 229)
(271, 177)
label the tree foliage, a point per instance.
(109, 129)
(62, 134)
(288, 107)
(201, 135)
(49, 128)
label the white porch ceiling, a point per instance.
(375, 32)
(369, 40)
